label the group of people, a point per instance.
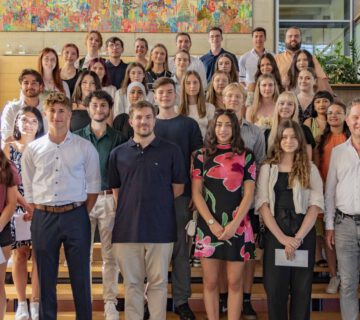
(138, 150)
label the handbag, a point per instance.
(192, 224)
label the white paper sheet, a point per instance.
(300, 260)
(2, 258)
(22, 228)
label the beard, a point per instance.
(293, 47)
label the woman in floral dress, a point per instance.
(223, 184)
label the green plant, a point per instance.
(339, 68)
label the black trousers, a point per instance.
(49, 231)
(281, 281)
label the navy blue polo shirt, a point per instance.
(145, 211)
(209, 61)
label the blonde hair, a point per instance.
(257, 95)
(184, 101)
(285, 96)
(235, 86)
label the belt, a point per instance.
(105, 192)
(355, 217)
(59, 209)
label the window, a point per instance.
(323, 23)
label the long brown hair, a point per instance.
(77, 94)
(234, 75)
(184, 99)
(55, 72)
(300, 169)
(150, 64)
(211, 94)
(127, 80)
(6, 174)
(210, 142)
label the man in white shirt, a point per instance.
(61, 178)
(31, 85)
(183, 42)
(342, 216)
(249, 60)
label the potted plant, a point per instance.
(341, 69)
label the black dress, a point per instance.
(223, 178)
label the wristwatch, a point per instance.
(210, 222)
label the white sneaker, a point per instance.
(34, 310)
(110, 311)
(22, 312)
(333, 285)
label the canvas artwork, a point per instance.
(234, 16)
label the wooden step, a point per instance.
(98, 315)
(258, 292)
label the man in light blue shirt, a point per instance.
(61, 178)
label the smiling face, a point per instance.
(353, 121)
(136, 74)
(192, 85)
(258, 39)
(99, 69)
(224, 64)
(135, 95)
(223, 129)
(289, 143)
(219, 83)
(302, 61)
(49, 61)
(70, 55)
(183, 43)
(98, 109)
(265, 66)
(233, 100)
(215, 38)
(58, 117)
(293, 39)
(267, 88)
(158, 55)
(87, 85)
(286, 108)
(28, 124)
(140, 48)
(306, 80)
(143, 122)
(165, 96)
(321, 105)
(93, 42)
(182, 61)
(30, 87)
(335, 116)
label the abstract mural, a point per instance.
(234, 16)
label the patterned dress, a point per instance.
(15, 157)
(223, 177)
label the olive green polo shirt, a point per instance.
(104, 145)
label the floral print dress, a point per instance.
(223, 177)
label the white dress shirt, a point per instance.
(342, 183)
(58, 174)
(248, 66)
(195, 65)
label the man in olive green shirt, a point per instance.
(104, 138)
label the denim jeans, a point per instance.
(347, 241)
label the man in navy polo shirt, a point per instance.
(146, 173)
(209, 59)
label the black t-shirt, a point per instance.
(184, 132)
(116, 73)
(79, 120)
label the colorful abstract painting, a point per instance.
(234, 16)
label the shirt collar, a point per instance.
(154, 143)
(221, 52)
(88, 132)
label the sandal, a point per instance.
(322, 263)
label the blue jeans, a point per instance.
(347, 243)
(49, 231)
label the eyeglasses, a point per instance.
(114, 45)
(331, 113)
